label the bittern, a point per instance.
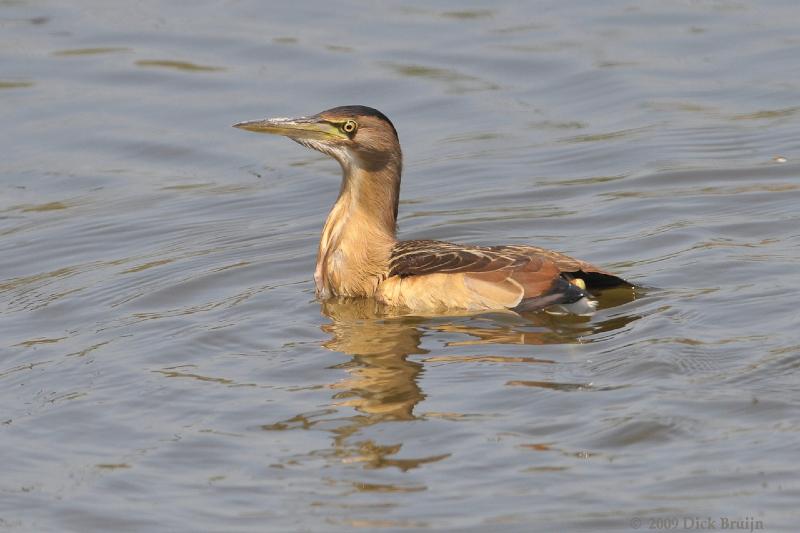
(360, 256)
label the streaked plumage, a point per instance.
(359, 255)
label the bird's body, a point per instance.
(359, 255)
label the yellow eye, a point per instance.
(350, 126)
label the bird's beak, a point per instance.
(294, 128)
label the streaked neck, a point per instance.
(359, 232)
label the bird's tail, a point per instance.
(562, 297)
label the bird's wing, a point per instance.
(514, 277)
(595, 277)
(417, 258)
(420, 257)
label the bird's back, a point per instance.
(428, 275)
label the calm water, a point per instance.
(165, 366)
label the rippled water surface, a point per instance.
(166, 367)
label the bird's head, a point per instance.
(357, 136)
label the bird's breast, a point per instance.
(340, 273)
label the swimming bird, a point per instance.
(360, 256)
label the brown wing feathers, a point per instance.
(534, 276)
(419, 257)
(511, 276)
(416, 258)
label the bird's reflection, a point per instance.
(381, 383)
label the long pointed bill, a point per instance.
(294, 128)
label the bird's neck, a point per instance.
(359, 234)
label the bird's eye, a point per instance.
(350, 126)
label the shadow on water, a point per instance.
(383, 385)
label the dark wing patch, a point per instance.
(417, 258)
(594, 276)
